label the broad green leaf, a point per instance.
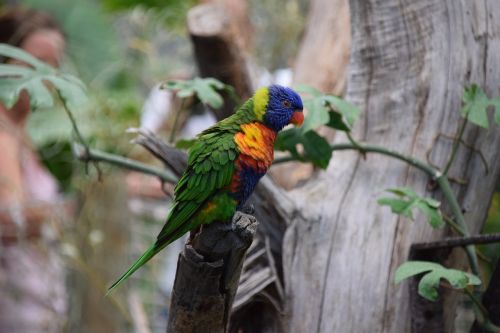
(316, 148)
(475, 104)
(411, 268)
(326, 110)
(429, 284)
(337, 122)
(432, 213)
(287, 140)
(348, 110)
(14, 79)
(307, 89)
(17, 53)
(205, 89)
(73, 94)
(10, 89)
(407, 200)
(398, 206)
(317, 114)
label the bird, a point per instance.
(225, 164)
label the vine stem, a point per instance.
(435, 174)
(77, 132)
(99, 156)
(481, 313)
(456, 143)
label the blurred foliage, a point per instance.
(171, 12)
(93, 45)
(206, 89)
(16, 78)
(278, 26)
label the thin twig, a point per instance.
(78, 133)
(95, 155)
(481, 312)
(456, 143)
(458, 241)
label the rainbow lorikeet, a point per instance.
(225, 164)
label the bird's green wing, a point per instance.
(210, 168)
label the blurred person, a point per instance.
(32, 278)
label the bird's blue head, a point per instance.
(278, 106)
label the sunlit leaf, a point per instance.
(316, 148)
(327, 110)
(206, 90)
(15, 78)
(407, 200)
(429, 284)
(348, 110)
(475, 105)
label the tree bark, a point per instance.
(409, 63)
(324, 51)
(207, 276)
(218, 52)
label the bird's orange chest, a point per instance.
(255, 143)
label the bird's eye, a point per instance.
(286, 103)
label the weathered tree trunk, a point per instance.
(207, 276)
(324, 52)
(409, 63)
(219, 52)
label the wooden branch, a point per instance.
(207, 276)
(217, 52)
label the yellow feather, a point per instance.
(260, 100)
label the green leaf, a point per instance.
(12, 52)
(327, 110)
(206, 90)
(307, 89)
(14, 79)
(317, 114)
(411, 268)
(316, 148)
(432, 213)
(475, 104)
(407, 200)
(398, 206)
(348, 110)
(429, 284)
(287, 140)
(337, 122)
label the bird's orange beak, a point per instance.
(297, 118)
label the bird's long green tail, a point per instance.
(150, 253)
